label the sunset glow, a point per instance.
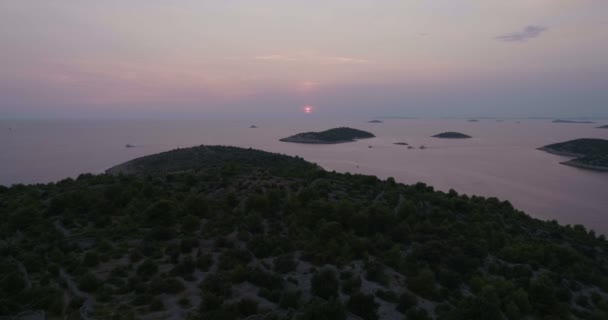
(396, 57)
(308, 109)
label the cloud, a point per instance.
(529, 32)
(311, 58)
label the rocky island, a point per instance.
(452, 135)
(571, 121)
(603, 127)
(331, 136)
(590, 153)
(216, 232)
(375, 121)
(401, 143)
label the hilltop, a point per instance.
(238, 233)
(591, 153)
(336, 135)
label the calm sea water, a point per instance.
(501, 160)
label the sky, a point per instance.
(189, 58)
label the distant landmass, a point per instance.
(603, 127)
(473, 120)
(253, 126)
(452, 135)
(572, 121)
(331, 136)
(216, 232)
(590, 153)
(401, 143)
(375, 121)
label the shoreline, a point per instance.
(315, 141)
(576, 164)
(560, 153)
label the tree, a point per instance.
(325, 283)
(363, 305)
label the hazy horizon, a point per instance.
(172, 59)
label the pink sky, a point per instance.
(411, 57)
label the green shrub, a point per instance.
(147, 269)
(363, 305)
(88, 282)
(325, 283)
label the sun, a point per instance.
(308, 109)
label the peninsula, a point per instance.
(331, 136)
(215, 232)
(590, 153)
(452, 135)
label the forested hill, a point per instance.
(252, 238)
(211, 158)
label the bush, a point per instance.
(91, 259)
(156, 304)
(285, 263)
(88, 282)
(204, 262)
(247, 307)
(363, 305)
(290, 300)
(147, 269)
(389, 296)
(423, 284)
(265, 279)
(323, 310)
(169, 285)
(374, 271)
(417, 314)
(406, 302)
(325, 283)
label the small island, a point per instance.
(590, 153)
(253, 127)
(473, 120)
(571, 121)
(331, 136)
(452, 135)
(401, 143)
(603, 127)
(375, 121)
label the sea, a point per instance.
(501, 160)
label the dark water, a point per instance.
(501, 160)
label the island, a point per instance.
(452, 135)
(473, 120)
(331, 136)
(401, 143)
(589, 153)
(571, 121)
(218, 232)
(375, 121)
(253, 127)
(603, 127)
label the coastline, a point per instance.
(574, 163)
(560, 153)
(316, 141)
